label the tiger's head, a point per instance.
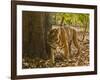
(52, 36)
(55, 42)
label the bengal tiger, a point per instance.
(60, 40)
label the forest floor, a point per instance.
(81, 60)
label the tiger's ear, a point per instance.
(49, 31)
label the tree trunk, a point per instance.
(34, 34)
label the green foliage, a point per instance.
(74, 19)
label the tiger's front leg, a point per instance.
(66, 51)
(52, 56)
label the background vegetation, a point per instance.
(75, 19)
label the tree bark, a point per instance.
(34, 34)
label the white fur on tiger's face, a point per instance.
(59, 39)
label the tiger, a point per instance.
(60, 40)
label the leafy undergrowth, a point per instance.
(80, 60)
